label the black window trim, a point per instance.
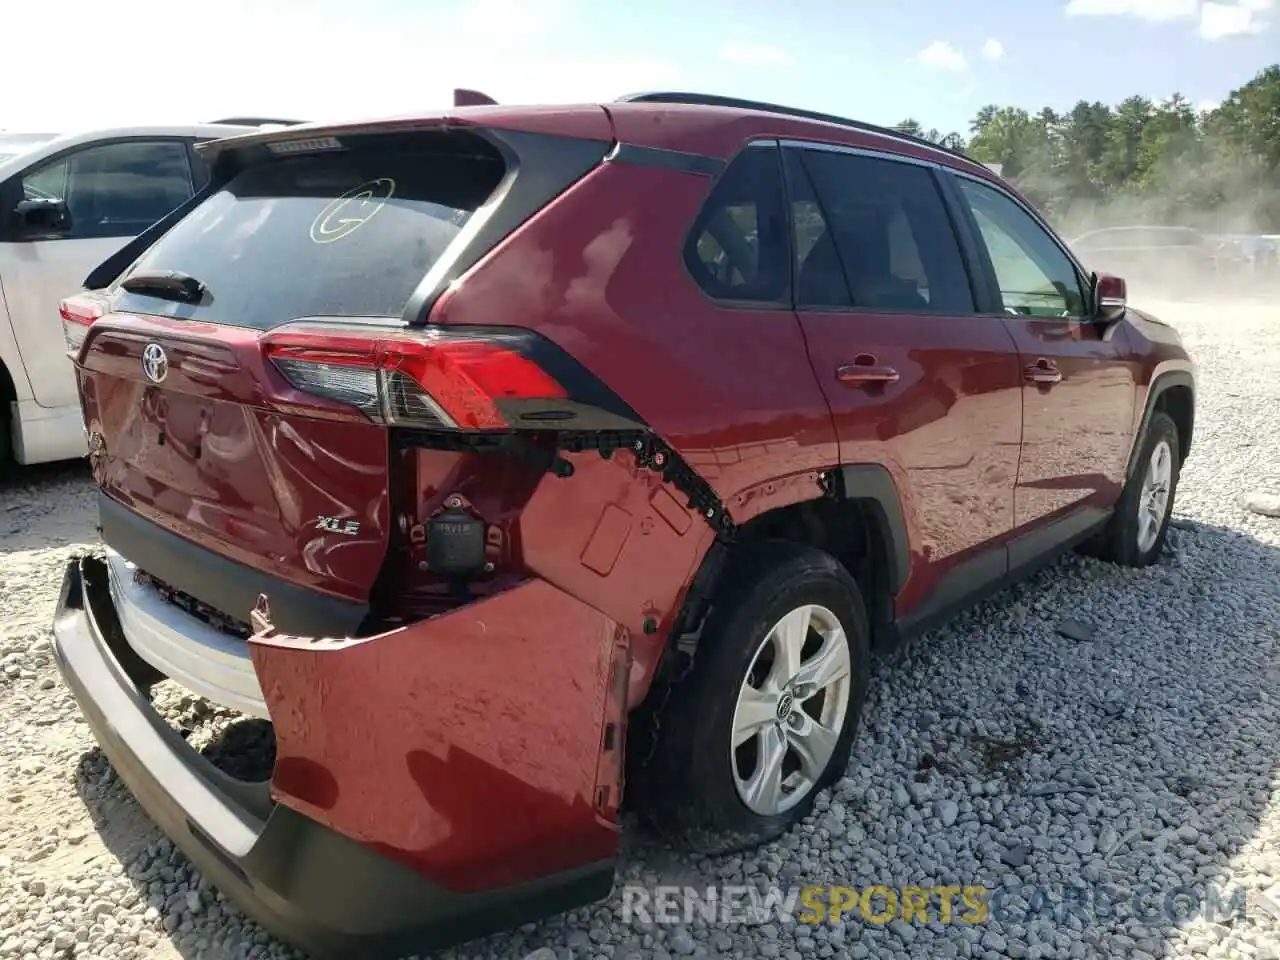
(11, 188)
(765, 306)
(1082, 275)
(973, 267)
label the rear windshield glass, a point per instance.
(348, 234)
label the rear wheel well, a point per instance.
(8, 394)
(1179, 403)
(852, 530)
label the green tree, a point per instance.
(1141, 161)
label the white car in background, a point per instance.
(67, 203)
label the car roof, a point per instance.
(692, 123)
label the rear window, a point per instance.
(343, 234)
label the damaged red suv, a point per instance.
(495, 454)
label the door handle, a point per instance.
(1043, 372)
(865, 370)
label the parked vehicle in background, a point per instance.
(480, 474)
(67, 202)
(1171, 259)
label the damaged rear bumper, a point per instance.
(303, 880)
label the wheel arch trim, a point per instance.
(1166, 378)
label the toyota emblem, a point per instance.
(155, 363)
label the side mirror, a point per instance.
(1110, 297)
(43, 218)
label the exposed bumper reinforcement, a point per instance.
(205, 661)
(312, 886)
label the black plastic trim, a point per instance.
(982, 277)
(107, 272)
(873, 483)
(666, 159)
(539, 168)
(223, 584)
(992, 569)
(584, 388)
(254, 122)
(310, 885)
(1171, 378)
(1029, 551)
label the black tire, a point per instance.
(1118, 541)
(682, 771)
(7, 463)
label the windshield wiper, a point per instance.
(169, 284)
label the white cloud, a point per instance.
(993, 49)
(1216, 18)
(1221, 20)
(1154, 11)
(754, 54)
(1204, 106)
(941, 55)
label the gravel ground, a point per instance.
(996, 751)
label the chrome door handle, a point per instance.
(1043, 372)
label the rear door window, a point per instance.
(343, 234)
(873, 234)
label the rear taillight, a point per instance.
(428, 379)
(78, 314)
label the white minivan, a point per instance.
(67, 202)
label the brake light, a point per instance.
(430, 379)
(78, 314)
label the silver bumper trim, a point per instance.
(209, 663)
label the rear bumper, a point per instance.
(308, 884)
(208, 662)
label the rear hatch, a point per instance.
(241, 386)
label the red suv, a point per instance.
(495, 453)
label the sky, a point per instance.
(163, 61)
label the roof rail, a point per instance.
(254, 122)
(715, 100)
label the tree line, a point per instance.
(1140, 162)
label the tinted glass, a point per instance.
(881, 223)
(1035, 277)
(116, 189)
(47, 183)
(738, 246)
(328, 235)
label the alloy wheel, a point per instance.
(1153, 501)
(791, 710)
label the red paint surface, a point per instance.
(216, 456)
(469, 746)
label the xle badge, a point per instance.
(334, 525)
(347, 213)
